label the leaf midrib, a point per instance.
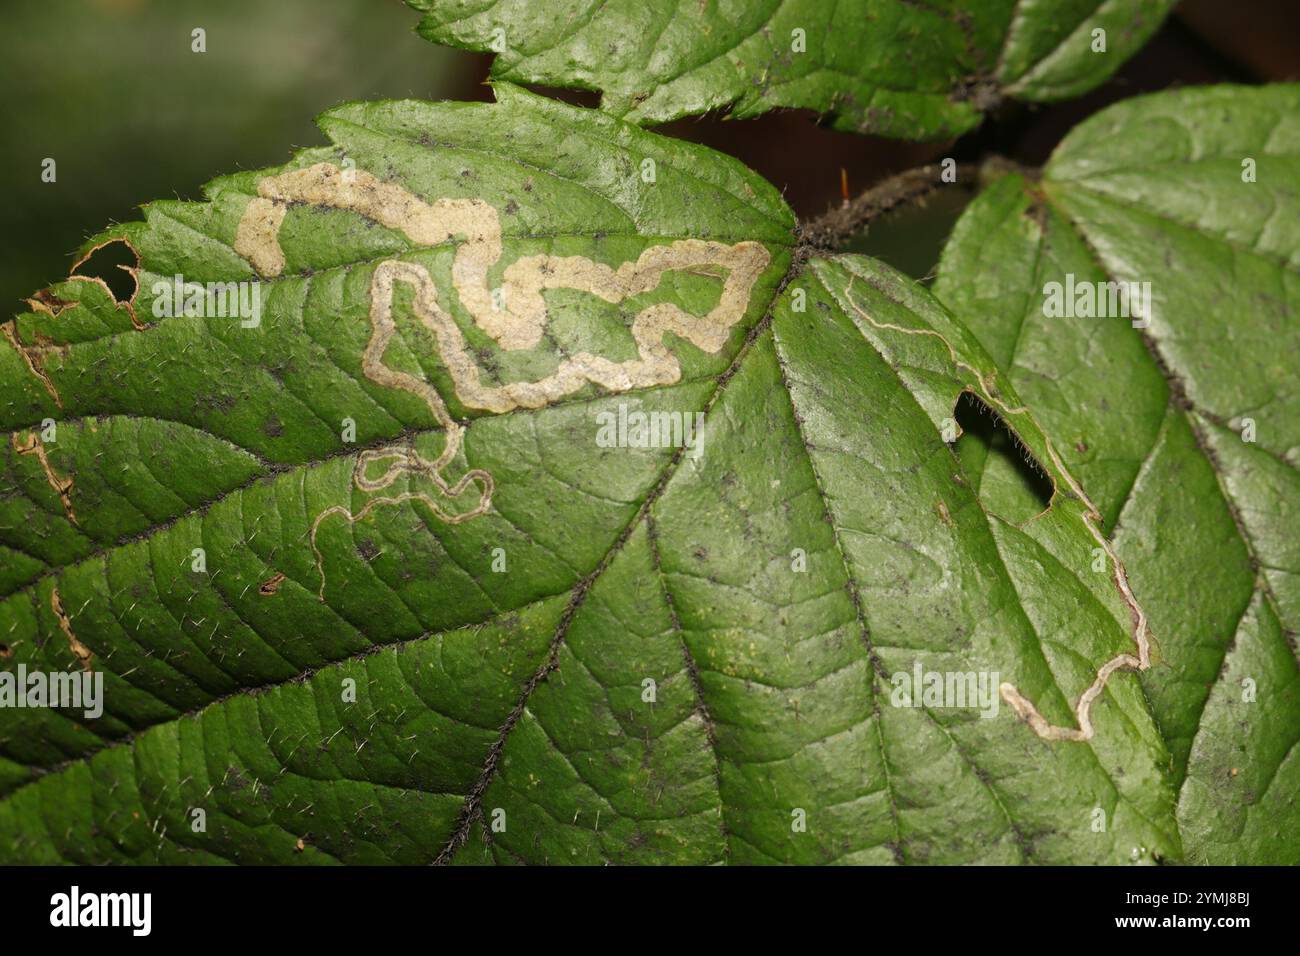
(469, 813)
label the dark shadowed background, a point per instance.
(111, 90)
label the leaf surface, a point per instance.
(1186, 432)
(891, 67)
(477, 633)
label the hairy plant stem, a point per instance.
(835, 227)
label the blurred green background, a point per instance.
(111, 90)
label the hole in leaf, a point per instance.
(1008, 479)
(114, 263)
(588, 99)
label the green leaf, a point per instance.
(477, 632)
(891, 67)
(1186, 432)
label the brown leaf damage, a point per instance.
(133, 271)
(31, 444)
(32, 355)
(271, 584)
(47, 302)
(79, 650)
